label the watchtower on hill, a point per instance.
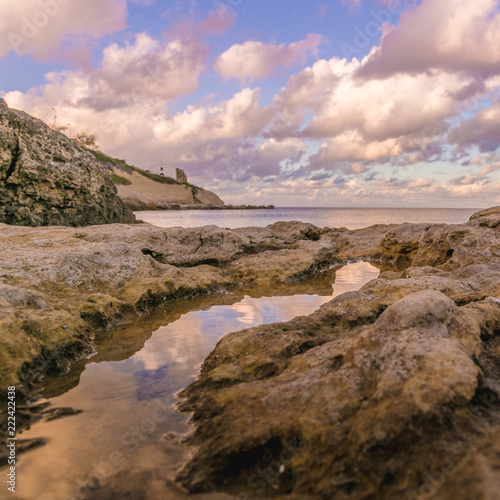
(166, 170)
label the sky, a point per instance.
(348, 103)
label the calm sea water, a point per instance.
(352, 218)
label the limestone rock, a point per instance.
(381, 393)
(487, 218)
(46, 179)
(93, 276)
(356, 415)
(299, 260)
(366, 398)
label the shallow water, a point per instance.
(351, 218)
(125, 437)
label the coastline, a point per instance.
(177, 206)
(60, 285)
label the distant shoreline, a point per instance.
(175, 206)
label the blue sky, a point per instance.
(340, 103)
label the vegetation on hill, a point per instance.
(111, 163)
(157, 178)
(117, 179)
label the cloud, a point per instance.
(402, 118)
(452, 35)
(42, 27)
(141, 70)
(382, 110)
(350, 146)
(483, 130)
(146, 68)
(321, 10)
(278, 150)
(320, 190)
(239, 159)
(253, 60)
(217, 22)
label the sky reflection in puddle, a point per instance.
(127, 404)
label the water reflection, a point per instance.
(126, 394)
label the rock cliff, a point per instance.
(46, 179)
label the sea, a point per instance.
(350, 218)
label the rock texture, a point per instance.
(389, 392)
(58, 284)
(46, 179)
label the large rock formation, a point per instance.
(389, 392)
(46, 179)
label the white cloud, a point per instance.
(146, 69)
(401, 117)
(277, 150)
(41, 27)
(454, 35)
(253, 60)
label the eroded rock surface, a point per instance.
(389, 392)
(46, 179)
(57, 284)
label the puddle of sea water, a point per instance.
(124, 439)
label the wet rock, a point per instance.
(381, 393)
(58, 284)
(301, 259)
(373, 408)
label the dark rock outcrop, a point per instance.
(46, 179)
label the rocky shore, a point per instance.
(389, 392)
(58, 284)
